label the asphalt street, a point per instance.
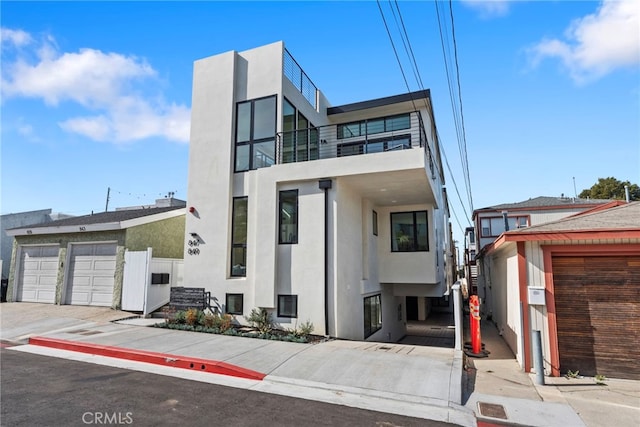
(45, 391)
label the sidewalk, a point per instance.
(419, 381)
(499, 380)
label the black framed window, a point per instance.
(373, 126)
(287, 305)
(409, 232)
(239, 237)
(255, 133)
(234, 303)
(300, 138)
(288, 216)
(374, 219)
(372, 315)
(398, 142)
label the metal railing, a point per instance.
(299, 79)
(325, 142)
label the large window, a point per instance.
(234, 303)
(373, 126)
(255, 134)
(299, 136)
(288, 207)
(372, 315)
(239, 238)
(409, 232)
(287, 305)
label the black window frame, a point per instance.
(294, 301)
(363, 129)
(235, 245)
(374, 222)
(414, 242)
(362, 144)
(371, 327)
(226, 303)
(251, 142)
(308, 138)
(294, 240)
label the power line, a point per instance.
(409, 50)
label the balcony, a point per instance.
(400, 132)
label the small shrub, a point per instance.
(260, 319)
(180, 317)
(192, 316)
(306, 328)
(571, 374)
(600, 379)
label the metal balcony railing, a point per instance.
(299, 78)
(365, 137)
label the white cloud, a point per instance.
(109, 84)
(14, 37)
(597, 44)
(489, 8)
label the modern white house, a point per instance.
(336, 215)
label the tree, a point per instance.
(611, 188)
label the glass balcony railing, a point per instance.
(352, 139)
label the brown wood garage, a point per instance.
(597, 301)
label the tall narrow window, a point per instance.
(239, 238)
(255, 134)
(374, 219)
(372, 315)
(409, 232)
(288, 220)
(299, 137)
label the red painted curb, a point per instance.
(192, 363)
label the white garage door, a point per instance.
(38, 274)
(91, 274)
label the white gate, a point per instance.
(147, 281)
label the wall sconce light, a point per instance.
(192, 209)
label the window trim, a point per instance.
(226, 303)
(251, 141)
(415, 230)
(295, 303)
(368, 325)
(293, 241)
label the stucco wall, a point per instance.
(166, 237)
(13, 221)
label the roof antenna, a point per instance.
(575, 192)
(106, 207)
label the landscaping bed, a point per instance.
(261, 326)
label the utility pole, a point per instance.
(106, 208)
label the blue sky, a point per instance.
(97, 95)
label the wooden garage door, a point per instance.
(91, 274)
(597, 306)
(38, 274)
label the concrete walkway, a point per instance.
(419, 381)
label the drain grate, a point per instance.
(492, 410)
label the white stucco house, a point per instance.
(577, 281)
(335, 215)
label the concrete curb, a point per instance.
(176, 361)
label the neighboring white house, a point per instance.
(333, 215)
(577, 281)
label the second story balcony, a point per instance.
(398, 132)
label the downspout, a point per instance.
(325, 184)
